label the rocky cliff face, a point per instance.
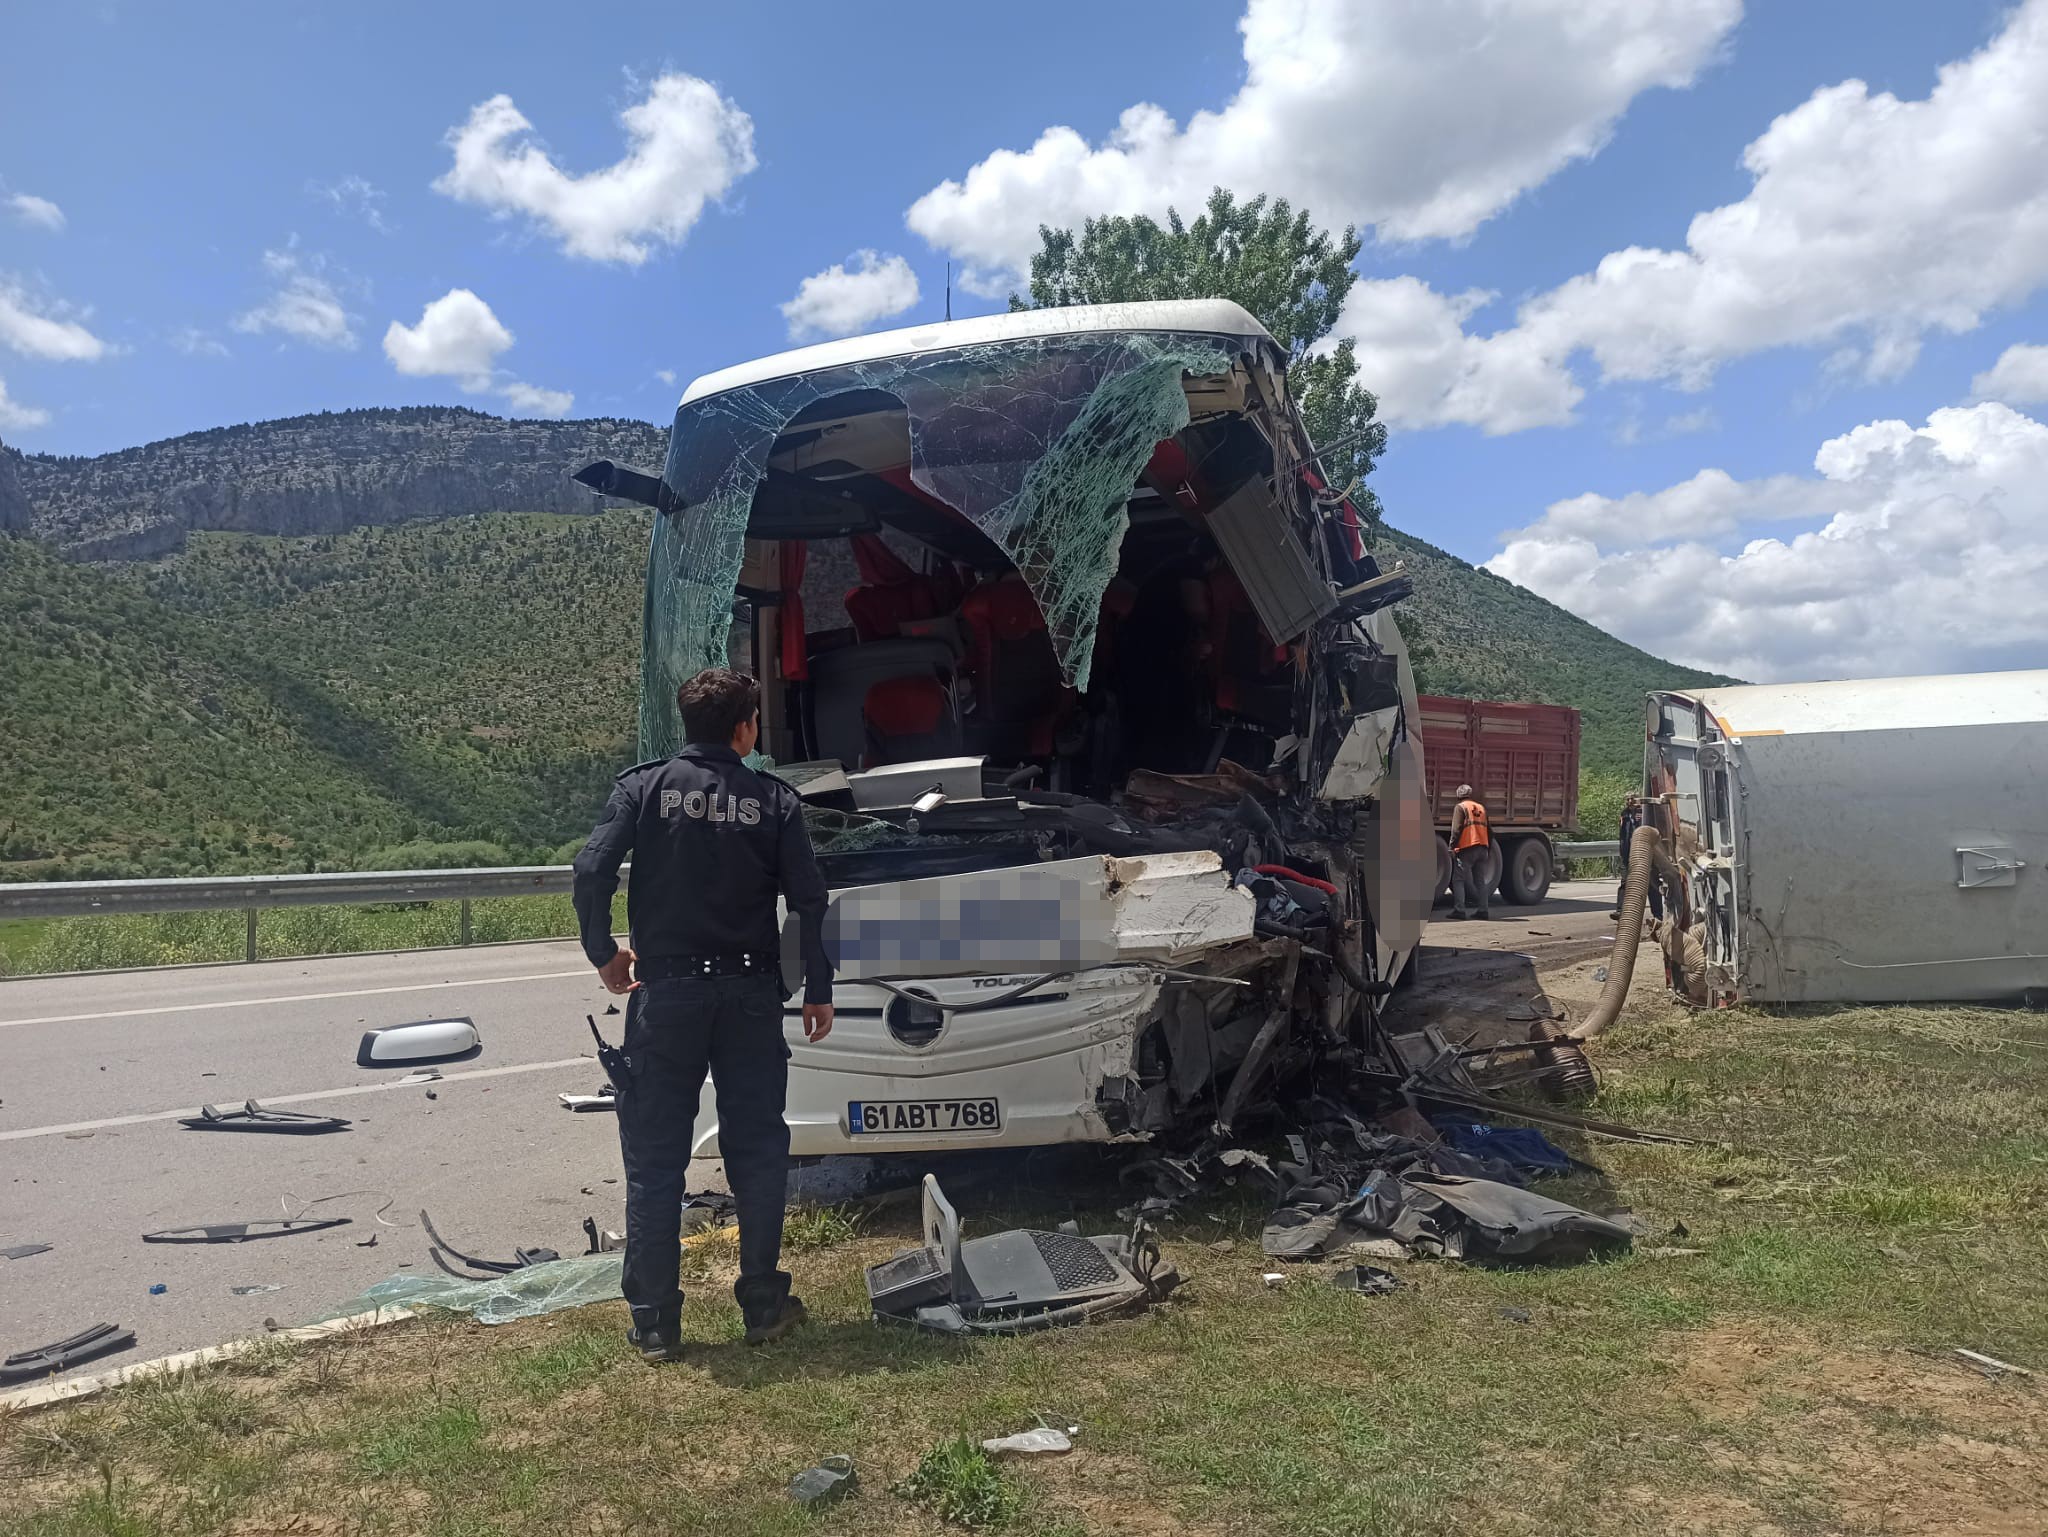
(317, 474)
(14, 514)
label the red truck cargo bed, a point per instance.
(1522, 759)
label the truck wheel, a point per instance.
(1443, 871)
(1489, 877)
(1526, 880)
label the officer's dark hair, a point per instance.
(716, 703)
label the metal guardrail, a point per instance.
(250, 894)
(1610, 849)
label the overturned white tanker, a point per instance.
(1103, 725)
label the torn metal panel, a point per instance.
(254, 1117)
(242, 1232)
(1259, 540)
(1360, 765)
(1169, 906)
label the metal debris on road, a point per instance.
(254, 1117)
(442, 1251)
(24, 1250)
(250, 1291)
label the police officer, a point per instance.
(712, 842)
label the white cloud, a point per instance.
(39, 211)
(195, 343)
(686, 144)
(665, 375)
(355, 195)
(458, 337)
(836, 302)
(2020, 374)
(1925, 550)
(1871, 222)
(305, 304)
(1414, 354)
(32, 330)
(532, 400)
(13, 414)
(1420, 118)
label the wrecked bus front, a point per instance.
(1102, 725)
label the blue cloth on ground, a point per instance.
(1522, 1148)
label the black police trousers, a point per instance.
(675, 1030)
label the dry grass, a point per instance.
(1874, 1193)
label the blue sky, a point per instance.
(216, 213)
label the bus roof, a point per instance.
(1194, 317)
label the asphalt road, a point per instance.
(94, 1070)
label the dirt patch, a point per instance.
(1894, 1442)
(1102, 1492)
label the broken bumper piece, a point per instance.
(1014, 1282)
(46, 1360)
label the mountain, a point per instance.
(14, 509)
(430, 650)
(1480, 636)
(317, 475)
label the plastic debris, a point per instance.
(158, 1289)
(250, 1291)
(527, 1292)
(1045, 1441)
(24, 1250)
(254, 1117)
(44, 1360)
(1274, 1278)
(832, 1479)
(1369, 1279)
(1991, 1366)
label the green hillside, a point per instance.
(336, 700)
(256, 703)
(1480, 636)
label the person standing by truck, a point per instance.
(1471, 851)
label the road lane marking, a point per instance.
(298, 1099)
(251, 1003)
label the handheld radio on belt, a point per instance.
(618, 1067)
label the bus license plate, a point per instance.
(892, 1117)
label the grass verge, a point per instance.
(1872, 1193)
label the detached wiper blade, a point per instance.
(242, 1232)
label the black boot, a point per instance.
(658, 1340)
(766, 1326)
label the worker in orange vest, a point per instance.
(1471, 840)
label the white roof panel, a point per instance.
(1878, 704)
(1194, 317)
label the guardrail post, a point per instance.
(249, 948)
(465, 922)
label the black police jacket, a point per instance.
(712, 843)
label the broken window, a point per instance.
(1036, 442)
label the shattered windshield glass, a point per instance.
(1037, 441)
